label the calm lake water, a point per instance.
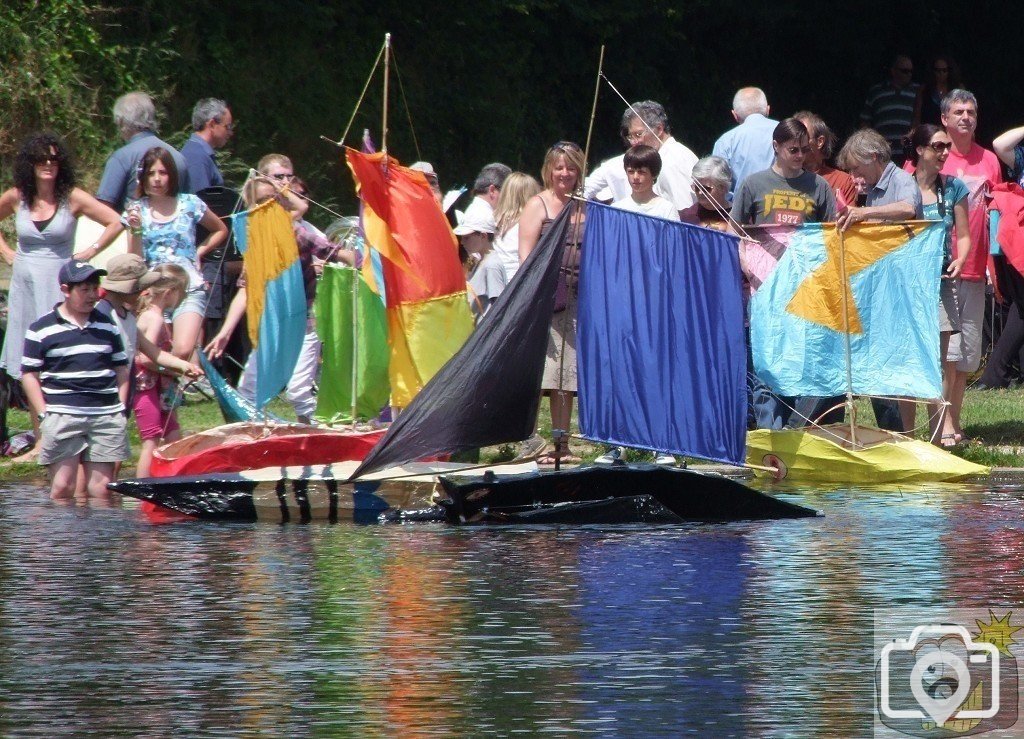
(112, 626)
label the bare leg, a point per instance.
(908, 412)
(186, 335)
(938, 415)
(98, 475)
(63, 475)
(146, 450)
(956, 401)
(561, 418)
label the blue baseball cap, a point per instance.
(75, 272)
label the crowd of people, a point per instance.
(914, 157)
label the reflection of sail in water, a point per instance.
(673, 611)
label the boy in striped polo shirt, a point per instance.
(75, 376)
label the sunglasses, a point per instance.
(905, 70)
(940, 147)
(45, 160)
(283, 176)
(794, 150)
(938, 70)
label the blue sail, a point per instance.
(660, 348)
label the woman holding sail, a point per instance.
(944, 198)
(561, 174)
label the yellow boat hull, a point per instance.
(826, 454)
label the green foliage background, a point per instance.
(499, 80)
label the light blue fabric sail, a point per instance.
(660, 349)
(893, 310)
(282, 325)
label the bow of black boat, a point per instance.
(629, 493)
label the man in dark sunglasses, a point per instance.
(889, 107)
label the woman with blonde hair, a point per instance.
(562, 175)
(515, 193)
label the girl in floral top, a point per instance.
(162, 226)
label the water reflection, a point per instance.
(317, 630)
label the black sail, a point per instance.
(489, 392)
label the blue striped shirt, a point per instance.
(76, 365)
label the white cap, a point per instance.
(478, 218)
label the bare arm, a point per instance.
(33, 392)
(218, 232)
(235, 312)
(8, 204)
(963, 240)
(529, 227)
(162, 359)
(1005, 143)
(122, 384)
(898, 211)
(82, 203)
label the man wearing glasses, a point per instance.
(889, 107)
(212, 127)
(647, 123)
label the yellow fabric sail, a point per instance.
(423, 336)
(270, 250)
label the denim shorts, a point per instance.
(194, 302)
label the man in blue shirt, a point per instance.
(135, 116)
(212, 127)
(748, 147)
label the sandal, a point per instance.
(949, 441)
(558, 453)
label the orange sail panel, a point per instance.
(428, 314)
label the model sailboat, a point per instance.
(837, 314)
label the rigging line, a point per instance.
(362, 95)
(719, 208)
(405, 101)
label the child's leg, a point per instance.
(146, 450)
(98, 475)
(63, 475)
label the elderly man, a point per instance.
(476, 226)
(889, 107)
(748, 147)
(647, 123)
(891, 195)
(135, 117)
(212, 127)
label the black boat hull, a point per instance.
(611, 494)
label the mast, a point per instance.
(846, 339)
(384, 123)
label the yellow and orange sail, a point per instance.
(425, 288)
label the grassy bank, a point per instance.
(993, 419)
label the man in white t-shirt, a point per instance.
(647, 123)
(642, 165)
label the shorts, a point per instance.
(194, 302)
(965, 347)
(949, 312)
(153, 421)
(102, 438)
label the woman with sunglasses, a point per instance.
(163, 231)
(942, 76)
(943, 198)
(562, 175)
(47, 206)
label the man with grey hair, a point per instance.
(135, 117)
(647, 123)
(748, 146)
(212, 128)
(476, 226)
(891, 195)
(979, 169)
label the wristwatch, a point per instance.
(41, 416)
